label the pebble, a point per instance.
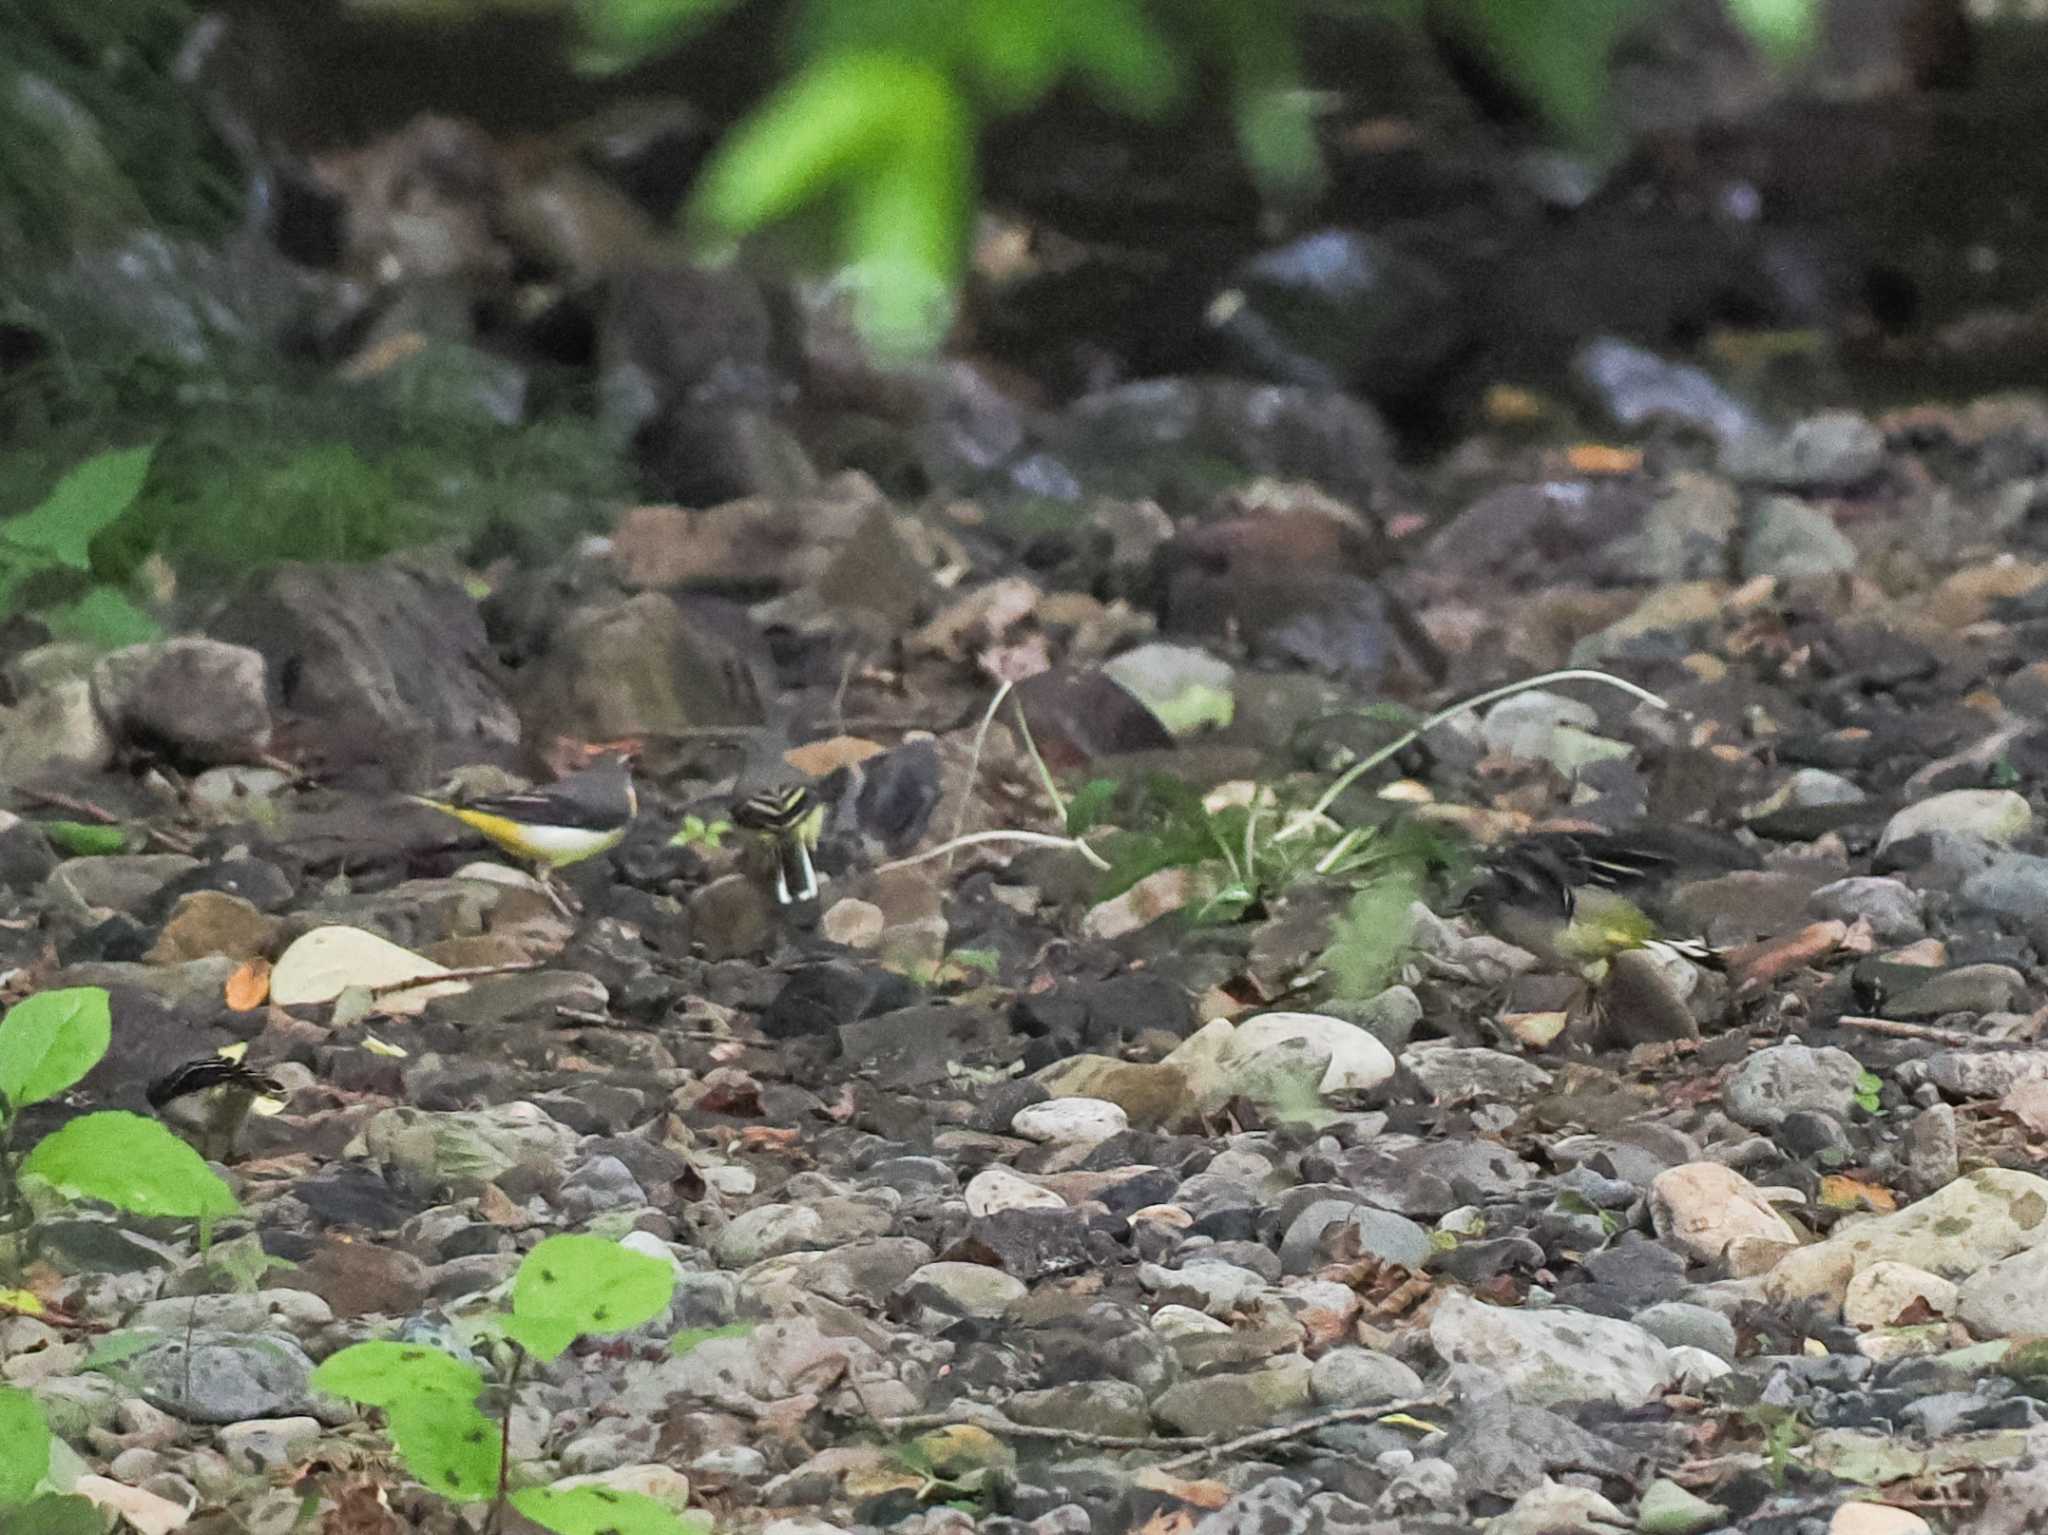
(1997, 816)
(1890, 906)
(1703, 1206)
(1776, 1081)
(1359, 1377)
(1794, 541)
(995, 1189)
(1070, 1121)
(1878, 1295)
(1877, 1519)
(1555, 1355)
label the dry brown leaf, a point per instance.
(249, 986)
(1757, 965)
(2028, 1103)
(1205, 1493)
(823, 758)
(1603, 458)
(382, 356)
(1842, 1191)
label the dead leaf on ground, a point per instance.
(1603, 458)
(1843, 1191)
(249, 987)
(820, 759)
(1755, 966)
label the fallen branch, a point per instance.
(86, 810)
(981, 1415)
(1926, 1031)
(1301, 1428)
(471, 973)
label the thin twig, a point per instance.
(87, 810)
(1030, 838)
(974, 765)
(496, 1521)
(1465, 706)
(1925, 1031)
(980, 1415)
(1299, 1428)
(471, 973)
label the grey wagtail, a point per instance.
(208, 1100)
(1558, 895)
(557, 824)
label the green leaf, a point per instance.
(83, 504)
(85, 839)
(120, 1347)
(388, 1374)
(584, 1284)
(132, 1162)
(24, 1446)
(448, 1445)
(1089, 805)
(56, 1514)
(831, 118)
(51, 1040)
(105, 616)
(620, 33)
(1785, 29)
(690, 1337)
(598, 1511)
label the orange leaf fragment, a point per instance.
(249, 986)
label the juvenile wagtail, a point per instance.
(557, 824)
(208, 1100)
(772, 799)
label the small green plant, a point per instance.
(1869, 1088)
(47, 1044)
(46, 552)
(567, 1287)
(31, 1466)
(698, 832)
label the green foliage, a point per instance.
(1869, 1090)
(100, 135)
(882, 114)
(1368, 943)
(603, 1511)
(24, 1446)
(135, 1163)
(570, 1285)
(47, 1044)
(565, 1287)
(49, 1041)
(691, 1337)
(51, 544)
(56, 1514)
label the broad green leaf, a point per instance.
(544, 1337)
(586, 1284)
(106, 616)
(832, 118)
(1785, 29)
(448, 1445)
(51, 1040)
(690, 1337)
(132, 1162)
(83, 504)
(118, 1348)
(56, 1514)
(85, 839)
(24, 1446)
(387, 1374)
(598, 1511)
(620, 33)
(1115, 45)
(906, 226)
